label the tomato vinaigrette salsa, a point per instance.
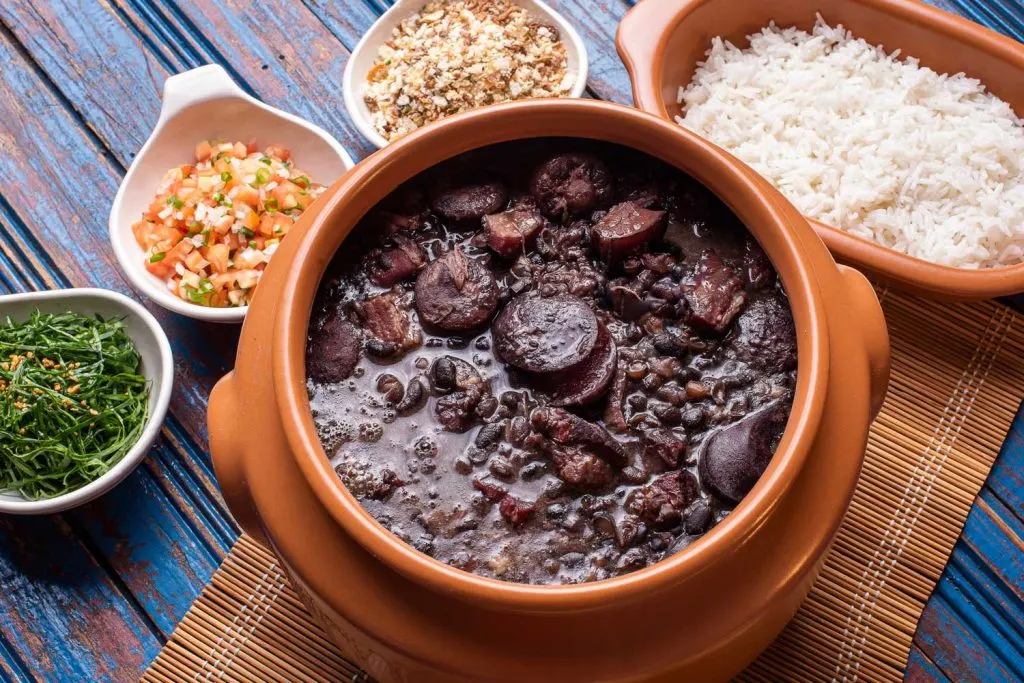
(215, 223)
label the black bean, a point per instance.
(652, 381)
(391, 387)
(638, 402)
(415, 397)
(380, 348)
(517, 431)
(603, 525)
(667, 414)
(693, 417)
(532, 470)
(512, 399)
(489, 435)
(698, 519)
(486, 407)
(477, 456)
(672, 393)
(443, 373)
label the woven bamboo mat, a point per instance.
(957, 381)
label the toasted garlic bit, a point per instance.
(455, 56)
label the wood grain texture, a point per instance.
(79, 92)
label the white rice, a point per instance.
(928, 164)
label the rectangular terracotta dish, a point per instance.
(661, 41)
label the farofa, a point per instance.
(455, 56)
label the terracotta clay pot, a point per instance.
(701, 614)
(661, 41)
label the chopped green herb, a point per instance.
(218, 197)
(252, 244)
(158, 257)
(246, 233)
(58, 433)
(196, 296)
(265, 160)
(175, 202)
(225, 176)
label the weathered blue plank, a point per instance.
(347, 21)
(111, 82)
(920, 669)
(151, 546)
(955, 648)
(985, 592)
(288, 56)
(61, 612)
(1007, 478)
(125, 556)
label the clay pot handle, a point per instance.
(868, 311)
(227, 451)
(639, 40)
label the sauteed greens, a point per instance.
(72, 401)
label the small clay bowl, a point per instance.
(661, 43)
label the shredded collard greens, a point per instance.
(72, 401)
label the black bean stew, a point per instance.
(550, 362)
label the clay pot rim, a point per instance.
(359, 190)
(642, 42)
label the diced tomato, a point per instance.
(222, 226)
(287, 195)
(279, 152)
(230, 255)
(204, 150)
(195, 261)
(248, 258)
(217, 255)
(247, 195)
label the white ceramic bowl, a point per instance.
(201, 104)
(359, 62)
(157, 367)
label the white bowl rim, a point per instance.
(154, 422)
(211, 81)
(350, 88)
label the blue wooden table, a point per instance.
(94, 593)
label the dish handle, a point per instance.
(867, 311)
(227, 451)
(638, 40)
(208, 82)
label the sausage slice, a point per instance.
(456, 293)
(545, 334)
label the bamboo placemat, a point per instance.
(957, 380)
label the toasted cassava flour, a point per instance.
(456, 55)
(873, 143)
